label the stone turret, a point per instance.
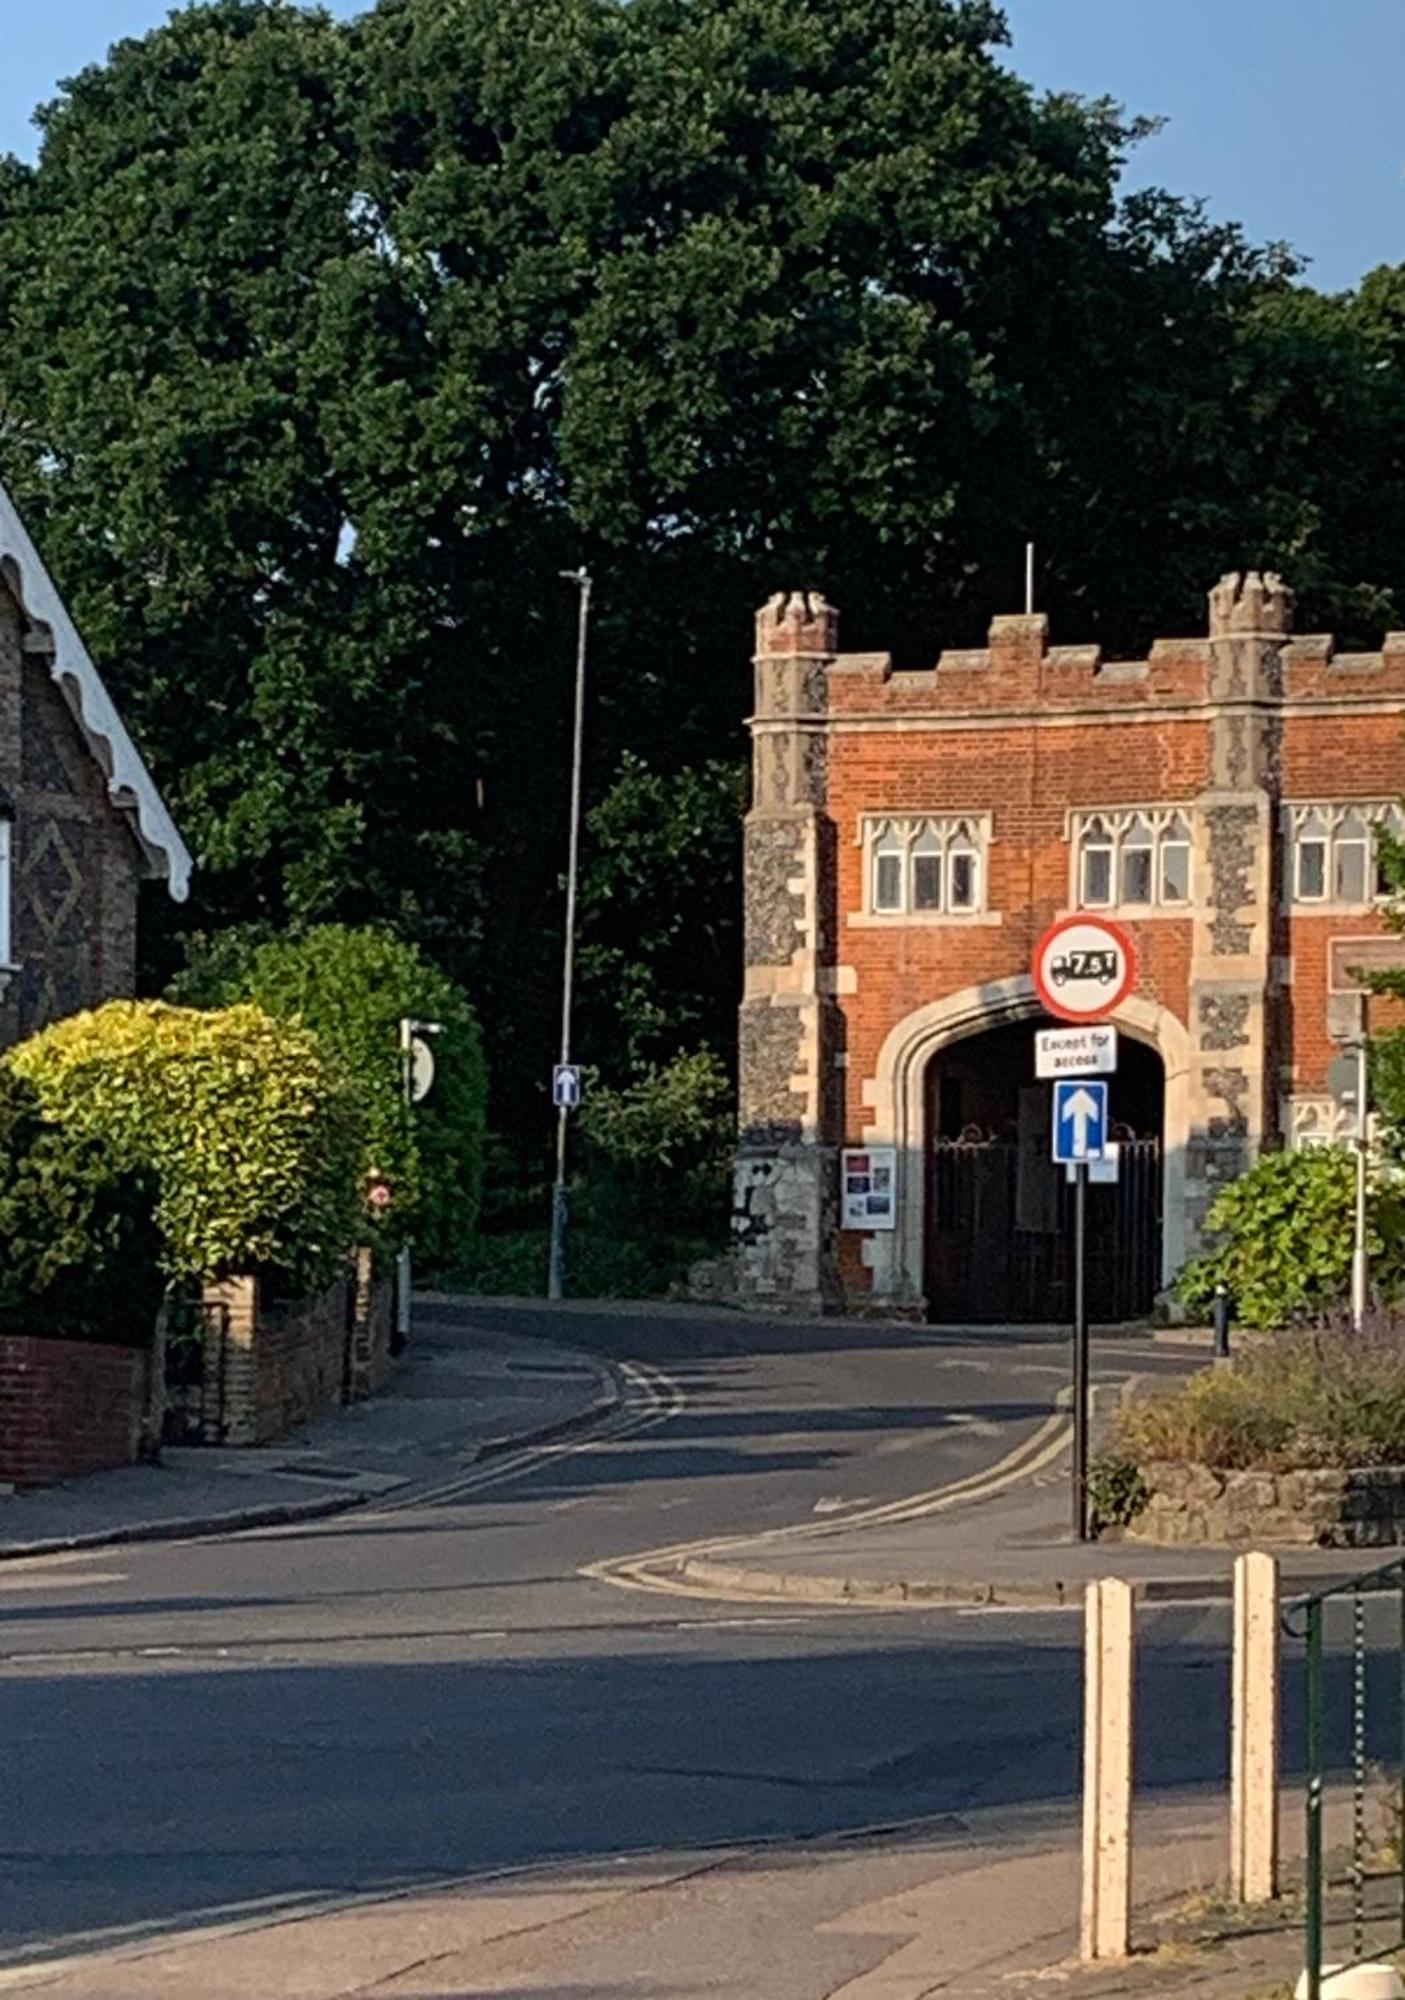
(1235, 1005)
(1251, 603)
(797, 621)
(785, 1186)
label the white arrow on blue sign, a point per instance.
(566, 1086)
(1080, 1120)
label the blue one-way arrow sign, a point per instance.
(1080, 1120)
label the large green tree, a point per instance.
(326, 348)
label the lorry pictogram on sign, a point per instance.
(1084, 968)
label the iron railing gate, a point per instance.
(1000, 1235)
(1373, 1916)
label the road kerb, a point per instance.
(290, 1513)
(748, 1581)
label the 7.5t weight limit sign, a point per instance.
(1084, 968)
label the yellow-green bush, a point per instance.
(253, 1139)
(1328, 1397)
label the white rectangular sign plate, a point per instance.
(869, 1190)
(1075, 1052)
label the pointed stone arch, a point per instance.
(895, 1098)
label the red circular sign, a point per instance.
(1084, 967)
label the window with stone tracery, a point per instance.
(928, 865)
(1334, 852)
(1132, 858)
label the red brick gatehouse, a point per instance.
(911, 836)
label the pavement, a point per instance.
(467, 1738)
(461, 1394)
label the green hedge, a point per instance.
(81, 1250)
(253, 1141)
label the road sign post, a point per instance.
(417, 1080)
(1080, 1139)
(1080, 1353)
(1084, 968)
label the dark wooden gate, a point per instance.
(1000, 1235)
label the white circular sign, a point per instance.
(421, 1069)
(1084, 968)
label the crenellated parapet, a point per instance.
(797, 621)
(1251, 602)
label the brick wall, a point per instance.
(67, 1408)
(287, 1363)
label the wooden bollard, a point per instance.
(1108, 1703)
(1254, 1750)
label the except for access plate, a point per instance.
(1088, 1051)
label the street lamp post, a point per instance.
(416, 1078)
(560, 1197)
(1360, 1266)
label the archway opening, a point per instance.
(999, 1212)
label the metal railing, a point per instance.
(1306, 1619)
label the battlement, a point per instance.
(1250, 603)
(1018, 667)
(796, 621)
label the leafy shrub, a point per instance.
(658, 1152)
(1284, 1235)
(1117, 1492)
(604, 1263)
(82, 1254)
(1318, 1397)
(351, 987)
(253, 1142)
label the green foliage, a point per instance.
(1283, 1233)
(253, 1140)
(658, 1151)
(607, 1261)
(81, 1249)
(327, 346)
(351, 987)
(1117, 1493)
(1319, 1398)
(660, 908)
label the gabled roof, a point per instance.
(129, 784)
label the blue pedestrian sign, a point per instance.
(566, 1086)
(1080, 1120)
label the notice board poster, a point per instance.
(868, 1190)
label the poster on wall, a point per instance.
(868, 1194)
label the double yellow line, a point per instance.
(662, 1570)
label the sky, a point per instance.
(1284, 115)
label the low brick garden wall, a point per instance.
(68, 1407)
(270, 1366)
(1328, 1509)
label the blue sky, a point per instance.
(1283, 114)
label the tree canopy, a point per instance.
(327, 347)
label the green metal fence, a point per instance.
(1307, 1619)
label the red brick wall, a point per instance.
(301, 1360)
(302, 1356)
(67, 1407)
(1027, 778)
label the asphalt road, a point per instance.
(200, 1730)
